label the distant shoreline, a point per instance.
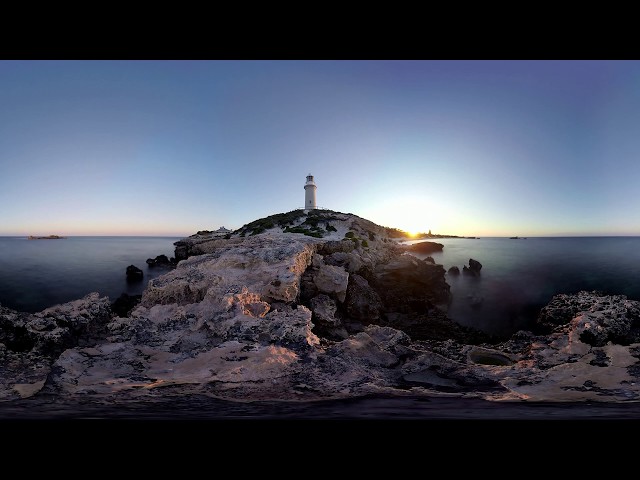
(49, 237)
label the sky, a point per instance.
(470, 148)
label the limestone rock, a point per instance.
(597, 318)
(350, 261)
(333, 246)
(332, 280)
(324, 311)
(31, 342)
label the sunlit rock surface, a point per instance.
(290, 316)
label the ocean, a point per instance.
(36, 274)
(518, 277)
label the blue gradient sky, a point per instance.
(482, 148)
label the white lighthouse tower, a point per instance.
(310, 193)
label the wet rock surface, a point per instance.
(134, 274)
(473, 269)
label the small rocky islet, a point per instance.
(312, 305)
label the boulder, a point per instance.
(453, 271)
(350, 261)
(324, 318)
(134, 274)
(332, 280)
(324, 311)
(473, 269)
(57, 328)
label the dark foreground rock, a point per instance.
(473, 269)
(124, 304)
(134, 274)
(161, 261)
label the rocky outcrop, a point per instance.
(596, 319)
(407, 284)
(134, 274)
(453, 271)
(332, 280)
(425, 247)
(161, 261)
(55, 329)
(473, 269)
(30, 343)
(266, 317)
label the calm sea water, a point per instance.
(519, 277)
(36, 274)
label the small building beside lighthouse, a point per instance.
(310, 194)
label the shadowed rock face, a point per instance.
(407, 284)
(266, 317)
(134, 274)
(425, 247)
(362, 302)
(473, 269)
(124, 304)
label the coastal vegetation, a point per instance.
(290, 222)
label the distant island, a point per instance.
(49, 237)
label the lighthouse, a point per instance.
(310, 193)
